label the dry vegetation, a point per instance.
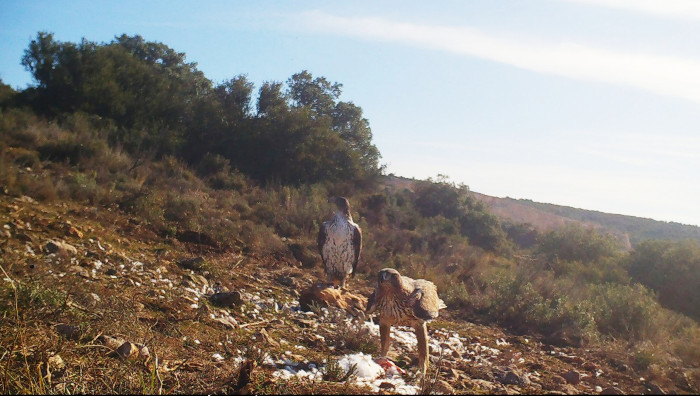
(132, 220)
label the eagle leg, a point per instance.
(422, 337)
(385, 338)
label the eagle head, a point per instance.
(341, 202)
(343, 205)
(389, 277)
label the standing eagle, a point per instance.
(340, 243)
(403, 301)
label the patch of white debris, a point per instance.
(399, 334)
(373, 375)
(367, 369)
(367, 373)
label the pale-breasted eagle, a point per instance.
(340, 243)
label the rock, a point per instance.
(443, 387)
(226, 299)
(572, 377)
(61, 248)
(654, 389)
(323, 295)
(484, 385)
(194, 264)
(144, 353)
(286, 281)
(570, 389)
(80, 271)
(612, 390)
(131, 350)
(56, 363)
(263, 337)
(127, 350)
(512, 376)
(74, 232)
(110, 342)
(227, 321)
(590, 366)
(69, 331)
(387, 386)
(94, 299)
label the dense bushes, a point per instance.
(672, 269)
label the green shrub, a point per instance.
(630, 312)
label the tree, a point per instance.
(354, 129)
(318, 94)
(271, 99)
(56, 68)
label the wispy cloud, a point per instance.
(666, 75)
(679, 9)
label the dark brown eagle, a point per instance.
(403, 301)
(340, 243)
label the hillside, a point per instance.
(68, 312)
(627, 230)
(161, 237)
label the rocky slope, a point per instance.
(93, 301)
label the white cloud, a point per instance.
(680, 9)
(665, 75)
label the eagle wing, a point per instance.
(371, 303)
(321, 240)
(357, 245)
(424, 299)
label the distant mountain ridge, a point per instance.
(628, 230)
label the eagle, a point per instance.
(403, 301)
(340, 243)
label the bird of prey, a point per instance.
(340, 243)
(403, 301)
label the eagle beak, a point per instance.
(383, 276)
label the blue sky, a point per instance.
(587, 103)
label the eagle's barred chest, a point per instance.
(338, 250)
(394, 310)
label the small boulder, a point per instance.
(226, 299)
(653, 389)
(443, 387)
(286, 281)
(74, 232)
(56, 363)
(512, 376)
(110, 342)
(194, 264)
(69, 331)
(130, 350)
(59, 247)
(572, 377)
(81, 271)
(387, 386)
(127, 350)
